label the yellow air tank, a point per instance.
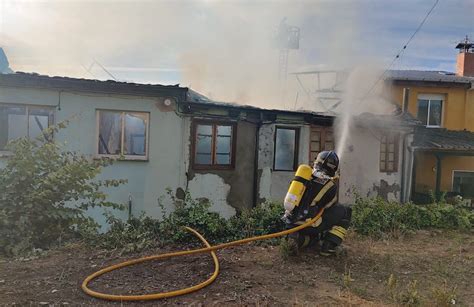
(297, 187)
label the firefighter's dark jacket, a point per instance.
(320, 193)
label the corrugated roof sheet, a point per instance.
(92, 85)
(427, 75)
(443, 139)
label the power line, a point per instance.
(400, 51)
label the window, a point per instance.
(321, 138)
(389, 153)
(430, 109)
(286, 149)
(123, 134)
(23, 121)
(213, 145)
(463, 183)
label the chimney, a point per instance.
(465, 59)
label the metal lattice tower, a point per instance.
(287, 38)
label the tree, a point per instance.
(45, 191)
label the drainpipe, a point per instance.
(255, 164)
(402, 183)
(406, 95)
(129, 206)
(438, 176)
(409, 175)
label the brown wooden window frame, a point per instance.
(233, 144)
(323, 132)
(296, 149)
(385, 154)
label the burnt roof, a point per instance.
(197, 98)
(441, 139)
(429, 76)
(21, 79)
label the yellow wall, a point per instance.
(426, 175)
(458, 114)
(458, 108)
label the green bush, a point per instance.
(144, 232)
(376, 217)
(371, 216)
(195, 214)
(44, 192)
(128, 236)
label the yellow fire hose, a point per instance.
(208, 248)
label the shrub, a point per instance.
(376, 217)
(144, 232)
(44, 192)
(133, 235)
(195, 214)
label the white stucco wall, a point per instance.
(273, 185)
(360, 170)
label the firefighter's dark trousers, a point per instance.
(332, 227)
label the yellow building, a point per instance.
(443, 145)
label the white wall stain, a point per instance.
(214, 188)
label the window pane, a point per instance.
(223, 159)
(224, 144)
(328, 136)
(204, 130)
(203, 144)
(464, 183)
(13, 124)
(391, 147)
(329, 146)
(383, 147)
(203, 158)
(315, 135)
(390, 166)
(135, 134)
(391, 156)
(110, 132)
(285, 149)
(38, 120)
(315, 146)
(422, 111)
(223, 149)
(382, 166)
(224, 130)
(313, 157)
(435, 112)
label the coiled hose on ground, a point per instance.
(207, 249)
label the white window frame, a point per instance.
(452, 176)
(430, 97)
(5, 153)
(122, 128)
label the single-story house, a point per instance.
(174, 138)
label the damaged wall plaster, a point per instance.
(213, 188)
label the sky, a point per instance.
(224, 48)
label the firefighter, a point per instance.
(318, 192)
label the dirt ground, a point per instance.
(426, 268)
